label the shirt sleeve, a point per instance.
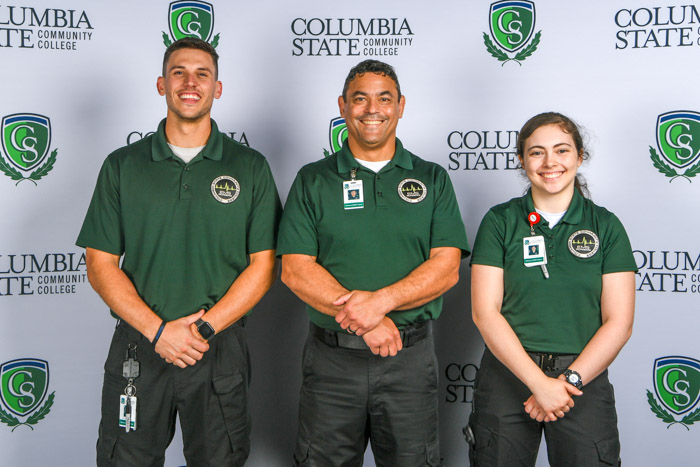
(102, 228)
(617, 250)
(298, 233)
(489, 245)
(265, 212)
(447, 227)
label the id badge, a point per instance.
(127, 412)
(534, 251)
(353, 197)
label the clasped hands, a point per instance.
(180, 343)
(551, 400)
(364, 313)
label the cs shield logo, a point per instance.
(23, 386)
(190, 18)
(678, 140)
(25, 142)
(677, 387)
(337, 133)
(512, 24)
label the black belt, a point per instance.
(552, 362)
(410, 335)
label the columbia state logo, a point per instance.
(24, 384)
(26, 141)
(412, 190)
(190, 18)
(678, 142)
(225, 189)
(337, 133)
(511, 24)
(677, 389)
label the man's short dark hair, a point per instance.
(192, 43)
(371, 66)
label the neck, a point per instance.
(187, 134)
(552, 204)
(364, 153)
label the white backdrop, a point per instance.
(90, 68)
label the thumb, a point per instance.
(194, 317)
(342, 299)
(573, 390)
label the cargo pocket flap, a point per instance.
(226, 383)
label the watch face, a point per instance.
(205, 329)
(573, 377)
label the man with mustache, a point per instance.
(371, 271)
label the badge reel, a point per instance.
(534, 248)
(353, 196)
(127, 401)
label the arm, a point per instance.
(617, 313)
(552, 395)
(245, 292)
(314, 285)
(362, 311)
(177, 344)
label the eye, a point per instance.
(535, 153)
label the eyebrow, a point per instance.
(542, 147)
(362, 93)
(201, 68)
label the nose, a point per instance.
(372, 106)
(190, 79)
(548, 159)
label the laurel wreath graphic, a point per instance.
(520, 56)
(670, 172)
(168, 42)
(38, 174)
(666, 417)
(12, 421)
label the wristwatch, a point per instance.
(573, 378)
(204, 329)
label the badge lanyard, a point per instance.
(353, 196)
(534, 248)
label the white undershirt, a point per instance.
(186, 154)
(373, 166)
(553, 219)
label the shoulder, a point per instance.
(232, 148)
(600, 215)
(319, 167)
(510, 209)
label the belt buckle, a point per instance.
(548, 362)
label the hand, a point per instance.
(385, 339)
(179, 345)
(362, 311)
(551, 400)
(537, 413)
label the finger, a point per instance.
(342, 299)
(167, 360)
(560, 414)
(193, 317)
(384, 350)
(340, 316)
(375, 350)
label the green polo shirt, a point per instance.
(185, 230)
(559, 314)
(409, 208)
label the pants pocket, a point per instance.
(301, 453)
(432, 454)
(232, 393)
(608, 451)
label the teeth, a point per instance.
(189, 96)
(371, 122)
(552, 175)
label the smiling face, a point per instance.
(372, 112)
(189, 85)
(550, 160)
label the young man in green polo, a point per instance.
(194, 216)
(372, 268)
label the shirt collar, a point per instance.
(160, 150)
(573, 214)
(346, 160)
